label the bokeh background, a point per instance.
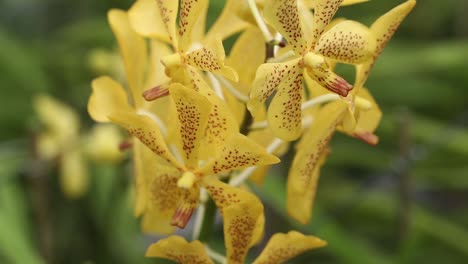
(403, 201)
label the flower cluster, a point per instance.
(203, 123)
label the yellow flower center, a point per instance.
(187, 180)
(313, 60)
(172, 60)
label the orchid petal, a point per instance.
(176, 248)
(193, 111)
(243, 218)
(269, 77)
(108, 97)
(145, 18)
(211, 58)
(304, 172)
(324, 10)
(283, 15)
(366, 120)
(237, 153)
(74, 178)
(133, 49)
(282, 247)
(227, 24)
(190, 12)
(145, 129)
(383, 29)
(284, 112)
(348, 41)
(168, 11)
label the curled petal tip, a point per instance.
(340, 86)
(367, 137)
(155, 93)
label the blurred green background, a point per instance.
(403, 201)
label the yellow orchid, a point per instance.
(190, 55)
(280, 248)
(347, 42)
(61, 141)
(173, 188)
(243, 224)
(313, 147)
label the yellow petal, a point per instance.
(352, 2)
(108, 97)
(176, 248)
(269, 77)
(168, 11)
(211, 58)
(145, 18)
(311, 3)
(324, 10)
(60, 120)
(193, 111)
(303, 174)
(74, 178)
(227, 24)
(243, 218)
(145, 129)
(348, 41)
(133, 50)
(221, 123)
(366, 120)
(283, 247)
(237, 153)
(383, 29)
(284, 112)
(283, 15)
(48, 146)
(103, 143)
(190, 12)
(247, 54)
(144, 161)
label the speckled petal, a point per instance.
(284, 112)
(133, 49)
(283, 15)
(228, 23)
(211, 58)
(303, 174)
(193, 111)
(243, 218)
(348, 41)
(267, 79)
(311, 3)
(221, 123)
(189, 14)
(108, 96)
(283, 247)
(168, 11)
(238, 152)
(145, 129)
(145, 18)
(157, 194)
(324, 10)
(177, 249)
(383, 30)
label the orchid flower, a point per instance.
(347, 41)
(310, 156)
(173, 187)
(239, 235)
